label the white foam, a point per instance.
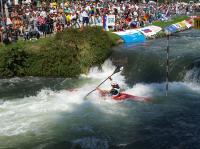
(34, 112)
(22, 115)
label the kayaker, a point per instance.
(115, 90)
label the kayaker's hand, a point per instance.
(97, 88)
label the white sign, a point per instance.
(110, 20)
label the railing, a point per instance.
(197, 23)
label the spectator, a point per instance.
(47, 19)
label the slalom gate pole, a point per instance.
(167, 67)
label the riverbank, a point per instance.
(67, 54)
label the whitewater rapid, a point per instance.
(29, 113)
(43, 113)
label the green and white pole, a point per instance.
(167, 67)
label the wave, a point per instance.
(32, 113)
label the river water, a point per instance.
(45, 113)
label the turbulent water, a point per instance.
(45, 113)
(147, 62)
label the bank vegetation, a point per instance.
(67, 54)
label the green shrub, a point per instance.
(67, 54)
(13, 62)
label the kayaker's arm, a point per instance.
(102, 92)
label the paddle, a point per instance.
(118, 69)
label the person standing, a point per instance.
(85, 17)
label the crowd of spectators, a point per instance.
(40, 19)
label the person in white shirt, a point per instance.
(85, 17)
(43, 13)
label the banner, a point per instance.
(182, 24)
(171, 29)
(131, 36)
(149, 31)
(177, 25)
(187, 24)
(110, 20)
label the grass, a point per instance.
(174, 20)
(114, 38)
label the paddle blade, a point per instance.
(118, 69)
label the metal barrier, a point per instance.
(197, 23)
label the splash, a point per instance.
(193, 75)
(34, 113)
(26, 114)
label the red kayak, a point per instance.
(124, 96)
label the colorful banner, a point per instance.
(180, 26)
(177, 25)
(188, 25)
(150, 31)
(171, 29)
(131, 36)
